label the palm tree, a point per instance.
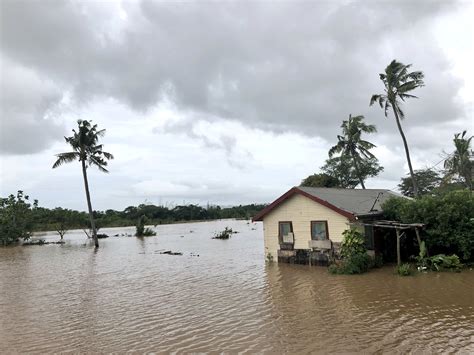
(459, 163)
(88, 152)
(398, 82)
(350, 144)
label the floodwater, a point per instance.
(129, 297)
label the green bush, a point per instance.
(225, 234)
(354, 253)
(141, 231)
(353, 243)
(449, 220)
(405, 270)
(16, 218)
(355, 264)
(443, 262)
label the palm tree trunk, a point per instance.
(356, 166)
(89, 204)
(407, 152)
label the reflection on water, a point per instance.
(129, 297)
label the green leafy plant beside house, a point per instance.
(355, 259)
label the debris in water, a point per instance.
(169, 252)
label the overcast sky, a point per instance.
(220, 102)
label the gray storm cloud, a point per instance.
(280, 66)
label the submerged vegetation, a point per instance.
(355, 259)
(225, 234)
(141, 230)
(405, 269)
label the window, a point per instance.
(319, 230)
(285, 232)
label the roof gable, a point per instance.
(347, 202)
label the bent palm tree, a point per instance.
(88, 152)
(398, 82)
(460, 161)
(350, 144)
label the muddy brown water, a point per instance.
(129, 297)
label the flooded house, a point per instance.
(306, 224)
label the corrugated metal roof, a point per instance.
(356, 201)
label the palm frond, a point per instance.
(386, 107)
(64, 158)
(108, 156)
(99, 163)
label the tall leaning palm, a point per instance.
(459, 163)
(398, 83)
(352, 146)
(87, 150)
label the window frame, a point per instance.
(280, 236)
(327, 229)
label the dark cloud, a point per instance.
(27, 109)
(300, 66)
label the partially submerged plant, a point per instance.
(443, 262)
(225, 234)
(439, 262)
(354, 254)
(269, 257)
(405, 270)
(141, 230)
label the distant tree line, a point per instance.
(19, 218)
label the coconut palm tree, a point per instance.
(352, 146)
(88, 152)
(398, 83)
(460, 163)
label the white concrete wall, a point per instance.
(301, 211)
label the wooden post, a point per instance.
(418, 237)
(399, 259)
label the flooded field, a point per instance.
(219, 296)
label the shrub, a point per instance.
(405, 270)
(353, 243)
(354, 254)
(225, 234)
(16, 220)
(449, 220)
(141, 231)
(443, 262)
(356, 264)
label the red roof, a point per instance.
(294, 191)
